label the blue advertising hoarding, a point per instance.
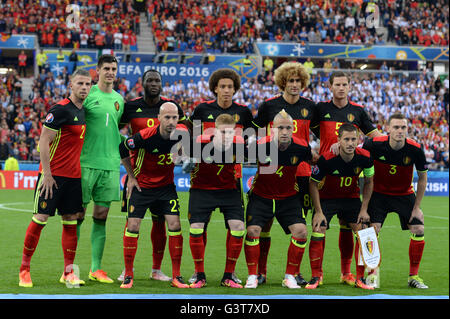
(24, 42)
(380, 52)
(437, 185)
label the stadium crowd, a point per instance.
(233, 26)
(421, 97)
(103, 23)
(228, 26)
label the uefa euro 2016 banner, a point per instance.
(170, 72)
(26, 178)
(381, 52)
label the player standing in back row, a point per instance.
(100, 159)
(394, 157)
(59, 181)
(328, 119)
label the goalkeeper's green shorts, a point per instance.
(101, 186)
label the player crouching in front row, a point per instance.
(334, 190)
(274, 193)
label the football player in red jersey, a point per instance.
(59, 181)
(151, 186)
(274, 192)
(334, 189)
(223, 83)
(329, 117)
(213, 185)
(395, 156)
(291, 78)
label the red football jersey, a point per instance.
(329, 118)
(69, 123)
(394, 169)
(340, 179)
(153, 166)
(281, 182)
(208, 111)
(218, 169)
(302, 112)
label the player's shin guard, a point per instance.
(234, 247)
(264, 244)
(416, 246)
(197, 248)
(69, 244)
(175, 250)
(251, 249)
(316, 246)
(346, 247)
(130, 243)
(295, 255)
(31, 241)
(98, 239)
(159, 238)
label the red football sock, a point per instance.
(359, 268)
(69, 244)
(198, 251)
(159, 238)
(234, 247)
(316, 246)
(346, 247)
(176, 251)
(30, 243)
(264, 247)
(295, 255)
(323, 251)
(416, 246)
(251, 249)
(130, 243)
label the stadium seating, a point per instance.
(101, 22)
(232, 27)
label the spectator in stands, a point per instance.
(60, 56)
(22, 62)
(118, 36)
(5, 148)
(73, 57)
(41, 60)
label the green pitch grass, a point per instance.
(47, 262)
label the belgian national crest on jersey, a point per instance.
(304, 112)
(350, 117)
(117, 105)
(406, 160)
